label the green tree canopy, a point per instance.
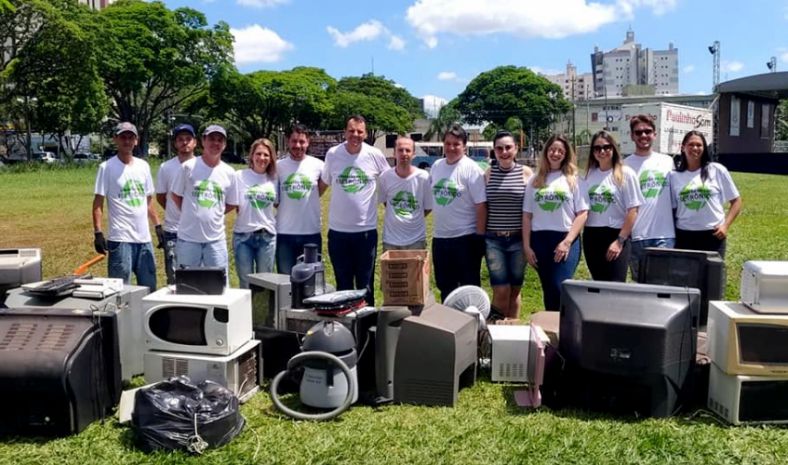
(382, 88)
(512, 92)
(381, 115)
(155, 60)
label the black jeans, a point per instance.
(353, 258)
(700, 240)
(596, 240)
(457, 262)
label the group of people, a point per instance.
(509, 214)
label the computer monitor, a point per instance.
(17, 267)
(271, 295)
(697, 269)
(629, 347)
(435, 356)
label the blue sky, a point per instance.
(435, 47)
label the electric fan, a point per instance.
(472, 300)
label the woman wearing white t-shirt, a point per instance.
(554, 212)
(613, 196)
(699, 191)
(255, 195)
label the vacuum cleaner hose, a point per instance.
(299, 359)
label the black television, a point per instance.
(629, 348)
(697, 269)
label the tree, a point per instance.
(259, 103)
(382, 115)
(781, 120)
(385, 89)
(154, 60)
(510, 91)
(447, 115)
(53, 82)
(20, 21)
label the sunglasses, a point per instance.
(640, 132)
(606, 147)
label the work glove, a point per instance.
(160, 236)
(100, 243)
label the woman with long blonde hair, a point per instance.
(554, 212)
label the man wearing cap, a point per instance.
(352, 169)
(184, 139)
(127, 184)
(200, 192)
(298, 214)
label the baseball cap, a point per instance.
(125, 127)
(183, 128)
(214, 128)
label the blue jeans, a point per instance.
(353, 258)
(639, 249)
(199, 254)
(291, 246)
(170, 263)
(127, 257)
(254, 253)
(505, 259)
(552, 274)
(457, 262)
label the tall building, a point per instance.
(97, 4)
(632, 70)
(575, 86)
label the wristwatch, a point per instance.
(621, 240)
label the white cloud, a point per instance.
(396, 43)
(433, 104)
(782, 54)
(553, 20)
(257, 44)
(731, 66)
(261, 3)
(447, 76)
(545, 71)
(369, 31)
(688, 69)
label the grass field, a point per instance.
(51, 209)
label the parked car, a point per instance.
(44, 157)
(86, 158)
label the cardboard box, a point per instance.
(405, 277)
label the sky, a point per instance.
(434, 48)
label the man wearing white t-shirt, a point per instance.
(125, 181)
(460, 215)
(405, 191)
(200, 192)
(352, 169)
(184, 139)
(298, 214)
(654, 223)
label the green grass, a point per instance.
(51, 209)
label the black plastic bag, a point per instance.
(177, 414)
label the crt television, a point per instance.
(743, 342)
(200, 324)
(697, 269)
(270, 299)
(764, 286)
(632, 346)
(17, 267)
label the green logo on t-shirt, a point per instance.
(651, 183)
(297, 186)
(601, 197)
(353, 179)
(132, 193)
(208, 193)
(550, 200)
(404, 204)
(445, 191)
(695, 196)
(260, 196)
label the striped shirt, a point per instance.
(505, 191)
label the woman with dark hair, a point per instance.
(554, 212)
(255, 194)
(505, 181)
(614, 196)
(700, 189)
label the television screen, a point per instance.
(180, 325)
(263, 300)
(762, 343)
